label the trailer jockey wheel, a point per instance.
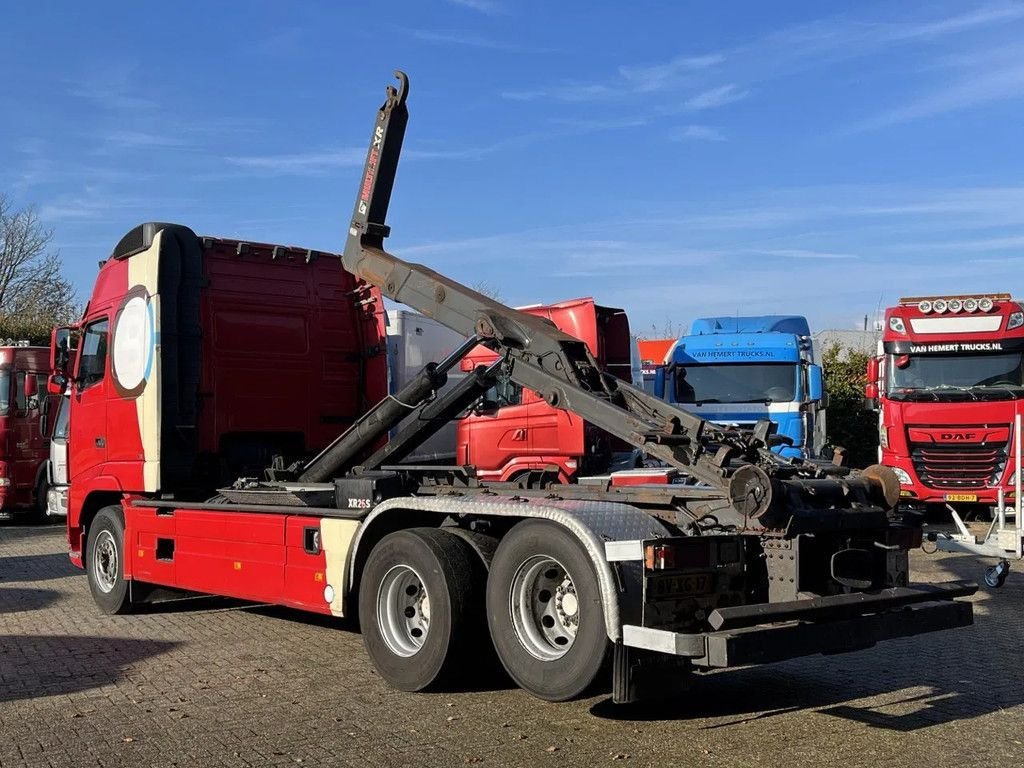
(420, 607)
(545, 612)
(995, 576)
(104, 561)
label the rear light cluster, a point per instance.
(696, 552)
(956, 305)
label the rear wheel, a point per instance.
(104, 562)
(420, 607)
(545, 612)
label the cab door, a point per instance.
(87, 445)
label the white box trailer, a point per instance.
(413, 341)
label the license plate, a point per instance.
(674, 586)
(961, 497)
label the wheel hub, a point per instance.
(403, 611)
(544, 608)
(105, 566)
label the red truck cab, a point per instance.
(515, 431)
(24, 447)
(948, 387)
(200, 359)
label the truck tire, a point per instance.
(104, 562)
(545, 612)
(420, 607)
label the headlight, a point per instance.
(896, 324)
(940, 305)
(971, 305)
(1016, 321)
(903, 476)
(883, 436)
(955, 305)
(925, 306)
(986, 304)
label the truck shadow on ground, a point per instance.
(20, 600)
(16, 568)
(37, 666)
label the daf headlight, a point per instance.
(903, 475)
(1016, 320)
(896, 324)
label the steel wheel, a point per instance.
(544, 608)
(403, 610)
(105, 564)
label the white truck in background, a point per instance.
(57, 466)
(413, 341)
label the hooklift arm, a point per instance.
(535, 353)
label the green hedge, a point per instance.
(849, 425)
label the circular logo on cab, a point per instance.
(133, 343)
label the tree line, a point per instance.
(35, 295)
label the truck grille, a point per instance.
(953, 467)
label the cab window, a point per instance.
(93, 360)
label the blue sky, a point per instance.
(675, 159)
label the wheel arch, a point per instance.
(591, 523)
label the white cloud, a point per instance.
(489, 7)
(697, 133)
(461, 38)
(715, 97)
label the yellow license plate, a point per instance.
(674, 586)
(961, 497)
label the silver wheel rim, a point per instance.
(544, 607)
(105, 567)
(403, 611)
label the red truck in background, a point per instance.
(514, 431)
(948, 385)
(200, 360)
(24, 447)
(652, 356)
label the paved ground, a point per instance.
(212, 682)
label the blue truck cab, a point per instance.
(738, 370)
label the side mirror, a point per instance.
(56, 383)
(485, 408)
(815, 383)
(659, 382)
(871, 387)
(60, 350)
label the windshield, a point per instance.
(60, 426)
(736, 383)
(998, 374)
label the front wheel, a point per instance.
(545, 611)
(104, 561)
(419, 607)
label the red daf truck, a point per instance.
(24, 447)
(202, 359)
(948, 386)
(512, 431)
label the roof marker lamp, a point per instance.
(940, 305)
(955, 305)
(925, 307)
(986, 304)
(970, 305)
(1015, 320)
(896, 324)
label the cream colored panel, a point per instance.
(143, 271)
(336, 539)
